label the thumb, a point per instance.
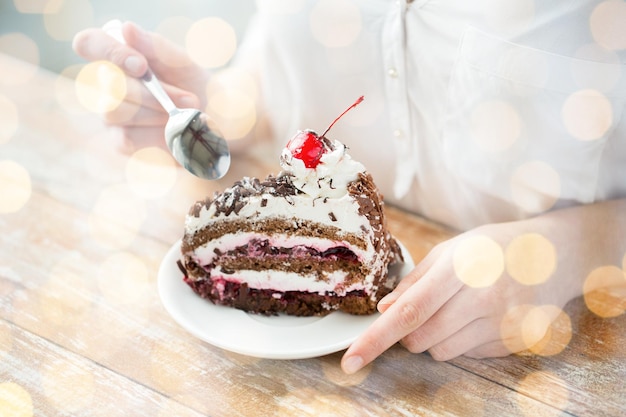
(169, 62)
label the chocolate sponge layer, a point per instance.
(269, 302)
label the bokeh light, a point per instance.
(604, 291)
(211, 42)
(175, 29)
(100, 86)
(63, 19)
(151, 172)
(478, 261)
(523, 326)
(558, 333)
(530, 258)
(36, 6)
(15, 186)
(64, 90)
(233, 79)
(62, 300)
(335, 23)
(15, 401)
(495, 125)
(24, 49)
(123, 278)
(67, 386)
(9, 119)
(587, 114)
(235, 113)
(535, 186)
(233, 94)
(535, 326)
(116, 217)
(607, 24)
(545, 387)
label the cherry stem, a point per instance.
(356, 103)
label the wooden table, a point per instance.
(83, 332)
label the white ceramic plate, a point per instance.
(273, 337)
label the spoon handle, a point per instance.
(113, 28)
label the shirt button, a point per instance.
(398, 134)
(392, 72)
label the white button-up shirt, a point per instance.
(475, 111)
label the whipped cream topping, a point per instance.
(341, 212)
(330, 178)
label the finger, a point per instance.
(166, 59)
(416, 305)
(140, 108)
(454, 317)
(495, 349)
(417, 273)
(476, 333)
(406, 282)
(94, 44)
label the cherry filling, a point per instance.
(257, 248)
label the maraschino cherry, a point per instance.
(307, 146)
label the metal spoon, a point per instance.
(196, 145)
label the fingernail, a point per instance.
(388, 299)
(133, 65)
(382, 307)
(352, 364)
(386, 302)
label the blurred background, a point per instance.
(41, 31)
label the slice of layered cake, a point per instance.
(307, 241)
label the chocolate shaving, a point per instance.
(233, 199)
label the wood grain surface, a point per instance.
(83, 332)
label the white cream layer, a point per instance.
(289, 281)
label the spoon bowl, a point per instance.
(197, 145)
(190, 134)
